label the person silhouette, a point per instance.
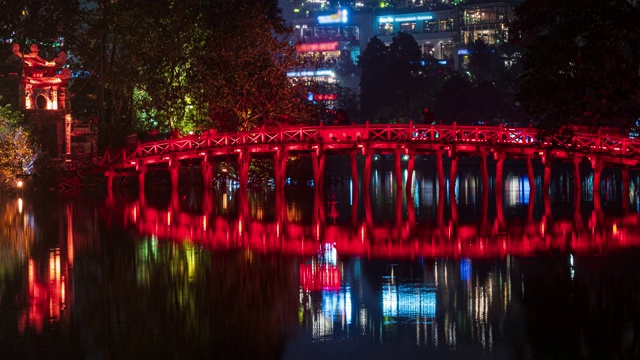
(429, 117)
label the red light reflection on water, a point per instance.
(47, 294)
(401, 239)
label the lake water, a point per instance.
(324, 275)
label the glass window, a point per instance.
(485, 15)
(408, 26)
(385, 28)
(430, 26)
(446, 51)
(429, 49)
(446, 24)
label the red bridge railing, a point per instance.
(337, 137)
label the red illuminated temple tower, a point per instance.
(44, 97)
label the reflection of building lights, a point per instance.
(20, 205)
(409, 301)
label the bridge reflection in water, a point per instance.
(425, 223)
(456, 264)
(398, 267)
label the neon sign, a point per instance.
(325, 97)
(325, 72)
(403, 18)
(317, 47)
(340, 17)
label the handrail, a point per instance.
(609, 144)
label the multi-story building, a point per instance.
(444, 29)
(434, 31)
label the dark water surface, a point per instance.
(332, 275)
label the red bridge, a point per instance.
(408, 140)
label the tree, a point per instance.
(391, 87)
(581, 62)
(17, 152)
(454, 100)
(184, 65)
(243, 67)
(374, 64)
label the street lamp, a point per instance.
(20, 185)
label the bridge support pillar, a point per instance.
(440, 169)
(110, 175)
(244, 161)
(597, 167)
(318, 162)
(531, 176)
(142, 174)
(207, 173)
(499, 172)
(577, 184)
(546, 181)
(367, 171)
(452, 178)
(354, 170)
(280, 168)
(624, 174)
(485, 173)
(174, 170)
(398, 167)
(411, 163)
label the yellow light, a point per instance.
(20, 183)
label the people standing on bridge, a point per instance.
(429, 117)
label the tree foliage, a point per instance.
(392, 88)
(187, 65)
(17, 152)
(581, 65)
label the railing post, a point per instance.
(366, 130)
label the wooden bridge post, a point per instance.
(531, 176)
(442, 198)
(597, 166)
(398, 167)
(207, 173)
(484, 172)
(367, 170)
(452, 178)
(354, 169)
(440, 169)
(624, 174)
(110, 175)
(577, 183)
(142, 174)
(499, 172)
(318, 162)
(410, 168)
(546, 181)
(280, 168)
(244, 161)
(174, 170)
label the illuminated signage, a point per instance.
(404, 18)
(330, 73)
(328, 46)
(340, 17)
(325, 97)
